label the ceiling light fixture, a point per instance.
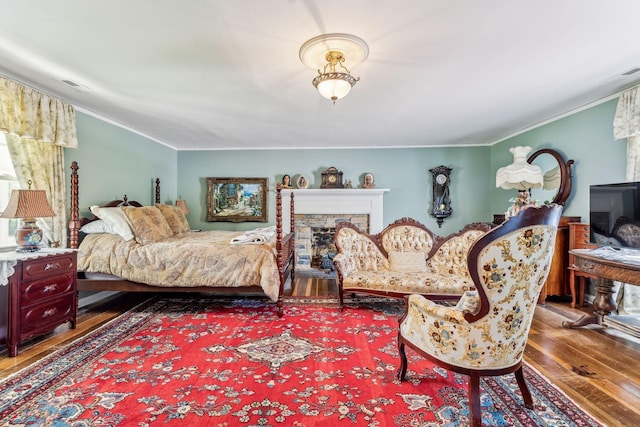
(333, 55)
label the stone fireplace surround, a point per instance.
(331, 205)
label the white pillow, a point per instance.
(407, 262)
(115, 218)
(96, 227)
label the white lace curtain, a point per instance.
(626, 124)
(38, 128)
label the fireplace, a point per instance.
(314, 238)
(318, 211)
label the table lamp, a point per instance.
(522, 176)
(182, 204)
(28, 205)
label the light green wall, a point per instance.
(114, 162)
(404, 171)
(587, 138)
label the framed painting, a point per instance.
(237, 199)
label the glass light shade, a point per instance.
(519, 175)
(334, 89)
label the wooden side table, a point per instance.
(39, 296)
(558, 280)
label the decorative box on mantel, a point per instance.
(338, 201)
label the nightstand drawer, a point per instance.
(44, 315)
(47, 267)
(46, 287)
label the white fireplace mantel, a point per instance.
(336, 201)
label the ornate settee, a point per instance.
(405, 258)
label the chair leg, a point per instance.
(402, 370)
(526, 394)
(475, 413)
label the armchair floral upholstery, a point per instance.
(487, 331)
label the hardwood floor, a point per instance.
(596, 367)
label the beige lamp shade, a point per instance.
(28, 204)
(182, 204)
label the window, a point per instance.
(8, 182)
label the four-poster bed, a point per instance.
(186, 261)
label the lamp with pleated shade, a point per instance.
(28, 205)
(182, 204)
(522, 176)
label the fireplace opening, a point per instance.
(314, 239)
(323, 249)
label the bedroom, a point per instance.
(115, 158)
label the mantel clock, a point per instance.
(331, 178)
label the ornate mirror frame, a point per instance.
(564, 189)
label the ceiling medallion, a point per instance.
(333, 55)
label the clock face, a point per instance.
(332, 179)
(441, 178)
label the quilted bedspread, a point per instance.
(203, 258)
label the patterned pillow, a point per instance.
(175, 218)
(469, 302)
(148, 224)
(407, 262)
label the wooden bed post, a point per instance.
(291, 215)
(157, 190)
(74, 222)
(278, 216)
(279, 255)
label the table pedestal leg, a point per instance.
(603, 305)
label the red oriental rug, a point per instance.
(216, 362)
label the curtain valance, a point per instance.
(29, 113)
(626, 122)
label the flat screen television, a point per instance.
(614, 215)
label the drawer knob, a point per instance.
(52, 266)
(50, 312)
(50, 288)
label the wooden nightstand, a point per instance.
(40, 295)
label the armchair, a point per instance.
(485, 334)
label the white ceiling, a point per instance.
(225, 74)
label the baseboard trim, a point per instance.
(94, 297)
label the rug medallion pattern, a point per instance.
(214, 362)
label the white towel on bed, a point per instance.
(257, 236)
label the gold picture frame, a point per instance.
(237, 199)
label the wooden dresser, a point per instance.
(558, 280)
(40, 295)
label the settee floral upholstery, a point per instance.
(486, 332)
(405, 258)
